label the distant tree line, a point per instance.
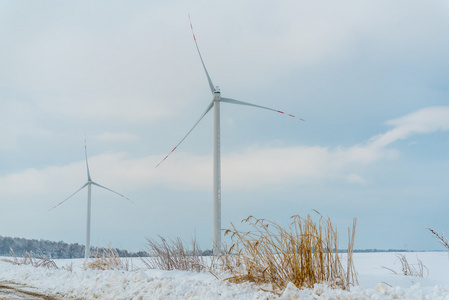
(54, 250)
(380, 250)
(62, 250)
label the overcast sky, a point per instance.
(371, 79)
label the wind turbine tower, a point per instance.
(88, 184)
(216, 100)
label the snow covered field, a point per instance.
(375, 282)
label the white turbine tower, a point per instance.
(89, 184)
(216, 156)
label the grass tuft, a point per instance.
(29, 259)
(174, 254)
(410, 270)
(304, 254)
(107, 260)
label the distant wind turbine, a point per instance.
(89, 184)
(216, 156)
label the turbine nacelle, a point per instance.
(217, 96)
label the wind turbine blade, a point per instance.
(212, 89)
(202, 116)
(69, 196)
(87, 165)
(99, 185)
(259, 106)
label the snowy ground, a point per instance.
(375, 282)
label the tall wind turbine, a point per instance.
(89, 184)
(216, 156)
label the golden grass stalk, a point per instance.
(304, 254)
(441, 238)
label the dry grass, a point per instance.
(304, 254)
(68, 267)
(410, 270)
(174, 254)
(107, 260)
(441, 238)
(29, 259)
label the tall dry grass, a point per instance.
(107, 259)
(174, 254)
(304, 254)
(29, 259)
(408, 269)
